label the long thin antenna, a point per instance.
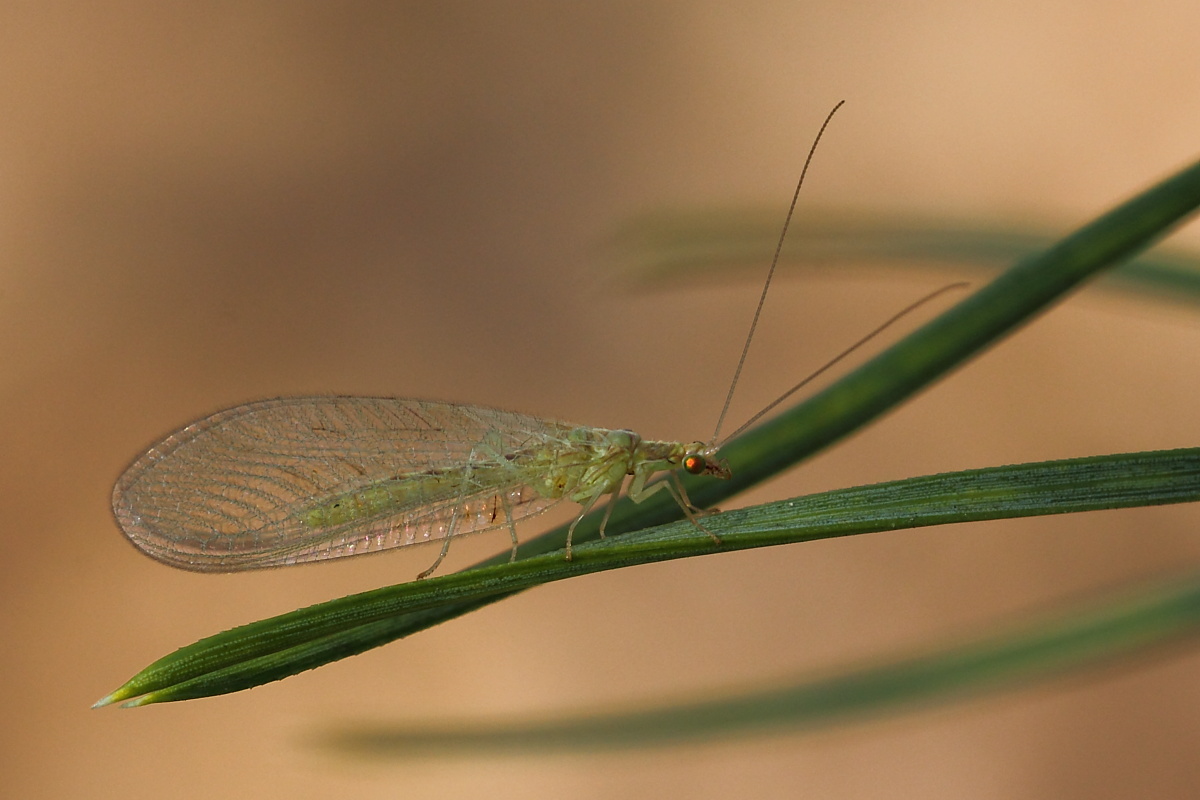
(737, 373)
(878, 330)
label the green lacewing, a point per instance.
(298, 479)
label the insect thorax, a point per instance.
(587, 460)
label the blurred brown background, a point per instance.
(205, 205)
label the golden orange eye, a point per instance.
(694, 464)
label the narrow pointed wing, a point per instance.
(253, 486)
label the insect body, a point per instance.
(301, 479)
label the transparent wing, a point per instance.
(253, 486)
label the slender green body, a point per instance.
(301, 479)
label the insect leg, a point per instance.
(587, 504)
(493, 447)
(687, 501)
(689, 508)
(639, 491)
(445, 548)
(612, 501)
(512, 526)
(453, 524)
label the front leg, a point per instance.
(639, 491)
